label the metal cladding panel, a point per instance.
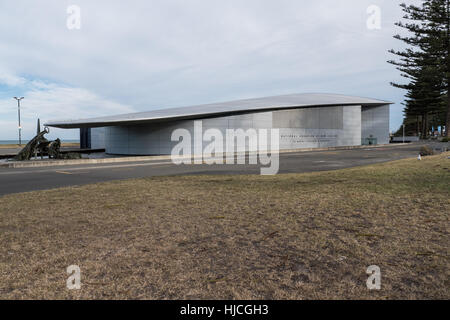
(309, 118)
(375, 123)
(302, 128)
(97, 138)
(352, 126)
(156, 138)
(319, 127)
(237, 107)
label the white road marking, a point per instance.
(64, 172)
(87, 168)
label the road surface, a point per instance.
(13, 180)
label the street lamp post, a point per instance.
(18, 113)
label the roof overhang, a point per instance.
(293, 101)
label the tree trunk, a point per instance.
(447, 123)
(424, 132)
(425, 126)
(417, 126)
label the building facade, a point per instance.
(303, 121)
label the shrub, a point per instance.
(426, 151)
(445, 139)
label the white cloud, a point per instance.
(49, 101)
(9, 79)
(153, 54)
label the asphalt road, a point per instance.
(13, 180)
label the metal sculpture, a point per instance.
(39, 144)
(32, 146)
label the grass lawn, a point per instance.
(292, 236)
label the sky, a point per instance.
(127, 56)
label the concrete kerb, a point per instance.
(48, 163)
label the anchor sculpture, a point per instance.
(39, 144)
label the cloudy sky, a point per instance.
(142, 55)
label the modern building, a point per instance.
(312, 120)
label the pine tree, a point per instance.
(426, 63)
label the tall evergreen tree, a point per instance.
(426, 62)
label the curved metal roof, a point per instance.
(221, 109)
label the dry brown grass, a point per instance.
(70, 144)
(63, 144)
(294, 236)
(10, 146)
